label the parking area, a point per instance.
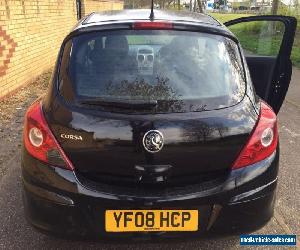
(15, 233)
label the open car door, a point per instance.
(267, 42)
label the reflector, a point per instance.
(36, 137)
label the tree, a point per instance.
(200, 6)
(275, 5)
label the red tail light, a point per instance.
(263, 141)
(152, 25)
(39, 140)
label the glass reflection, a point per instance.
(182, 71)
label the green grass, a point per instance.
(252, 40)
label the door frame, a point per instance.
(283, 67)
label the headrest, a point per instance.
(119, 43)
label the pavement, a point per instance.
(16, 233)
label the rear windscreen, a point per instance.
(180, 70)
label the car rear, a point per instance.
(87, 168)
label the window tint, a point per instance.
(186, 68)
(259, 37)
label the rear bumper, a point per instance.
(56, 202)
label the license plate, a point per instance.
(151, 220)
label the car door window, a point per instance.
(267, 43)
(262, 38)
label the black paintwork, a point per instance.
(195, 142)
(113, 171)
(124, 19)
(143, 14)
(57, 201)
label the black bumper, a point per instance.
(57, 202)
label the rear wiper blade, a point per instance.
(120, 103)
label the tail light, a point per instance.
(263, 140)
(152, 25)
(40, 141)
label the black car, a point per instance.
(151, 127)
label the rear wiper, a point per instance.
(120, 103)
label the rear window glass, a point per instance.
(181, 70)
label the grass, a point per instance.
(256, 39)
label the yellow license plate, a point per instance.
(151, 220)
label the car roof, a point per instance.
(143, 14)
(97, 19)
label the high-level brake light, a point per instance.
(154, 25)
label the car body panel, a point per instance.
(111, 143)
(143, 14)
(124, 19)
(243, 201)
